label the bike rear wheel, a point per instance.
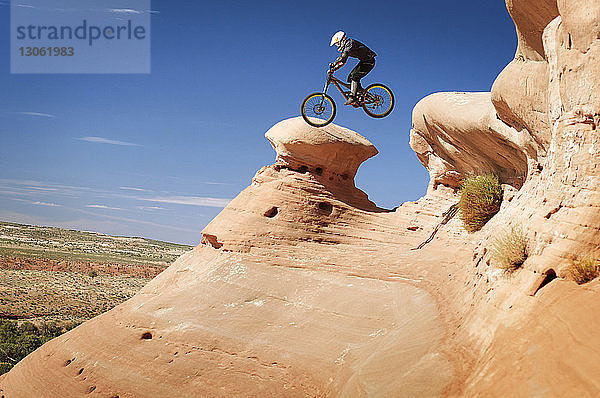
(378, 100)
(318, 109)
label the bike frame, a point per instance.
(337, 83)
(367, 98)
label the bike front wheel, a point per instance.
(318, 109)
(378, 100)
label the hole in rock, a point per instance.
(552, 212)
(272, 212)
(302, 169)
(146, 336)
(212, 240)
(550, 276)
(68, 362)
(319, 170)
(80, 371)
(570, 42)
(325, 207)
(92, 388)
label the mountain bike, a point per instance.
(318, 109)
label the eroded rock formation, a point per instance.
(300, 288)
(304, 287)
(534, 342)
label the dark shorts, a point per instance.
(361, 70)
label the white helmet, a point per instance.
(338, 39)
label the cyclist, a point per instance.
(352, 48)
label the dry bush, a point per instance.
(584, 270)
(509, 249)
(480, 199)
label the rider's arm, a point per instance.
(337, 64)
(341, 60)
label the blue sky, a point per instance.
(158, 155)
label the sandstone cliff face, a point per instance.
(304, 287)
(542, 343)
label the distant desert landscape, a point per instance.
(53, 278)
(54, 274)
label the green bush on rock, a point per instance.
(584, 270)
(480, 199)
(509, 249)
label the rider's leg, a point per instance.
(353, 79)
(359, 71)
(354, 87)
(353, 90)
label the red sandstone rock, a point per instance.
(313, 299)
(304, 287)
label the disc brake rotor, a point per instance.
(318, 109)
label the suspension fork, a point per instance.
(327, 83)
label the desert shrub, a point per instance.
(584, 270)
(93, 274)
(5, 367)
(509, 249)
(480, 199)
(17, 341)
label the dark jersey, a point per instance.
(355, 49)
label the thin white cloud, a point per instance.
(101, 140)
(16, 191)
(190, 200)
(172, 227)
(150, 208)
(129, 11)
(134, 189)
(29, 187)
(40, 114)
(104, 207)
(45, 204)
(36, 202)
(214, 183)
(125, 11)
(42, 188)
